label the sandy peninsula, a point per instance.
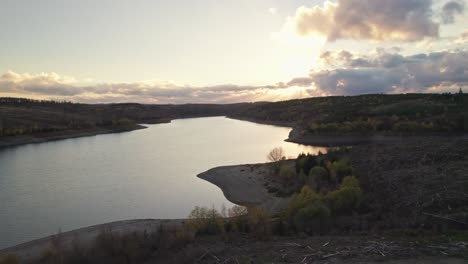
(246, 185)
(242, 184)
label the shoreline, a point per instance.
(264, 122)
(14, 141)
(336, 141)
(241, 184)
(246, 185)
(350, 140)
(7, 142)
(298, 136)
(295, 135)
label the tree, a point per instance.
(276, 154)
(238, 219)
(307, 211)
(340, 169)
(301, 200)
(312, 218)
(347, 197)
(459, 96)
(205, 221)
(318, 176)
(237, 211)
(306, 162)
(259, 222)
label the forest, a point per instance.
(402, 114)
(368, 114)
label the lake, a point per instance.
(148, 173)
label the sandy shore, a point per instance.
(84, 236)
(242, 184)
(246, 185)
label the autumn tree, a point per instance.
(276, 155)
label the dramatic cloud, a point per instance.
(341, 73)
(391, 73)
(53, 86)
(450, 9)
(402, 20)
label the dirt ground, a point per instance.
(323, 249)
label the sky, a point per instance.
(216, 51)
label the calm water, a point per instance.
(149, 173)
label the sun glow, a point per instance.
(293, 92)
(298, 54)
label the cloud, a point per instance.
(341, 72)
(401, 20)
(463, 38)
(54, 86)
(43, 83)
(353, 82)
(301, 82)
(385, 72)
(450, 9)
(346, 59)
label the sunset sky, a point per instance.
(212, 51)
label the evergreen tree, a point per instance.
(459, 98)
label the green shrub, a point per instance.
(350, 182)
(305, 163)
(301, 200)
(308, 212)
(313, 219)
(348, 197)
(299, 163)
(340, 169)
(318, 176)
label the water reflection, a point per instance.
(147, 173)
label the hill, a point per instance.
(322, 118)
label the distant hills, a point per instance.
(408, 114)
